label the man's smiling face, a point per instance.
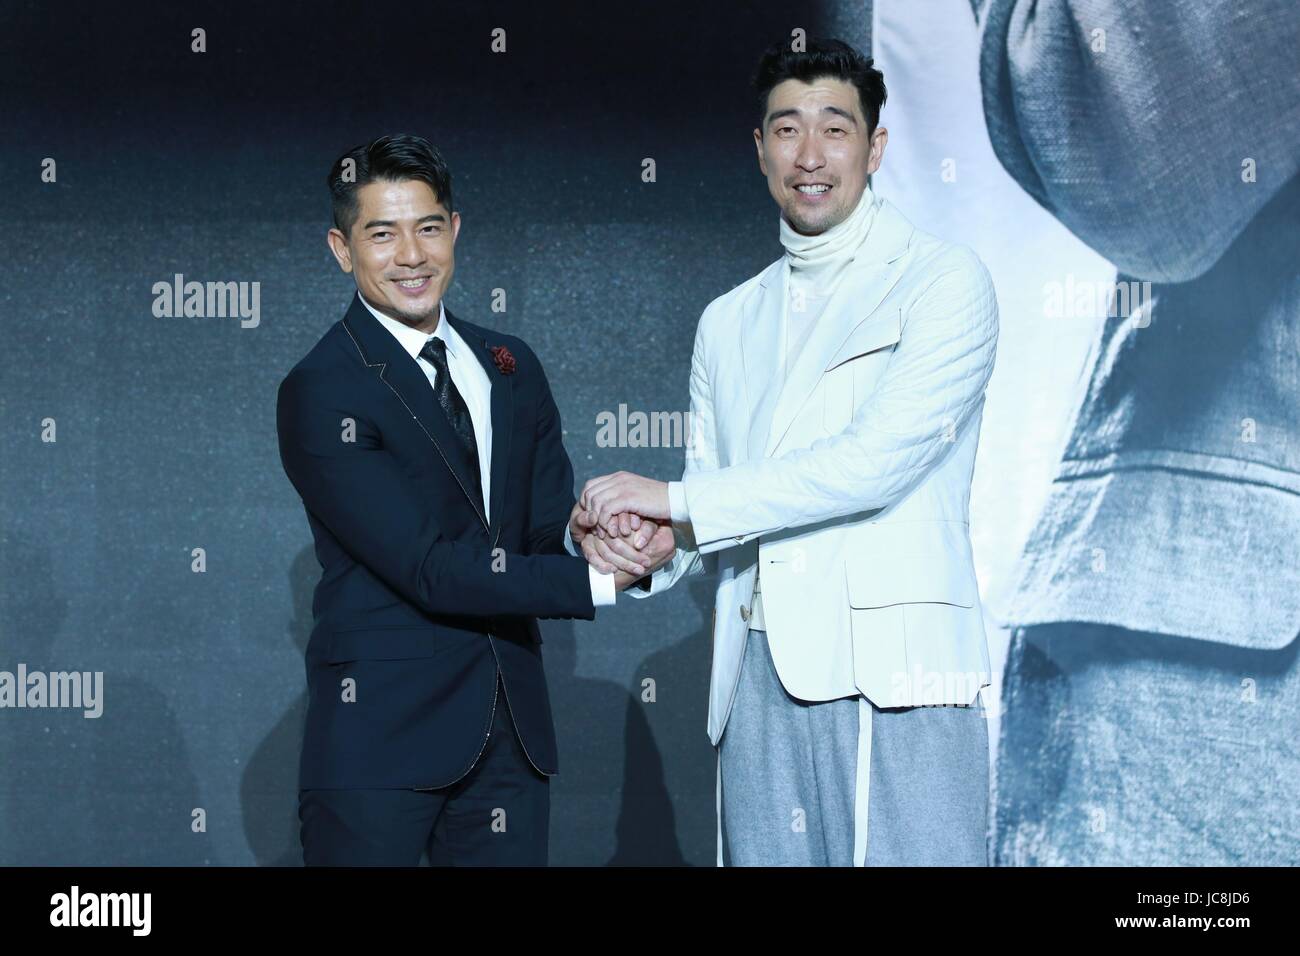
(401, 250)
(816, 151)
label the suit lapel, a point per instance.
(760, 348)
(503, 417)
(395, 368)
(874, 271)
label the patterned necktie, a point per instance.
(435, 352)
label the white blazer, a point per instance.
(849, 481)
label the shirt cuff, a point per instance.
(569, 546)
(603, 592)
(677, 503)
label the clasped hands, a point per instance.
(621, 522)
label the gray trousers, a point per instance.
(845, 783)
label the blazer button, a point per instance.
(744, 613)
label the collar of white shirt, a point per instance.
(413, 339)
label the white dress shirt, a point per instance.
(471, 380)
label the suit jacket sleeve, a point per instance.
(357, 490)
(925, 400)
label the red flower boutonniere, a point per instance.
(505, 361)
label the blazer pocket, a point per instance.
(917, 629)
(855, 369)
(886, 580)
(390, 643)
(837, 399)
(871, 335)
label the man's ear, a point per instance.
(339, 246)
(455, 227)
(758, 144)
(878, 140)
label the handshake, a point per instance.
(621, 523)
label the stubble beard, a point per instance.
(831, 218)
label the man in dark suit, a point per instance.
(428, 455)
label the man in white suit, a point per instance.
(836, 400)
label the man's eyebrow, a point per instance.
(839, 112)
(825, 109)
(432, 217)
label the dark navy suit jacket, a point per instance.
(420, 599)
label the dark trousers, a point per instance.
(496, 815)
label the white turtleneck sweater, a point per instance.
(817, 263)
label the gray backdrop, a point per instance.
(1148, 707)
(213, 165)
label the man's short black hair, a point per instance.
(390, 158)
(821, 58)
